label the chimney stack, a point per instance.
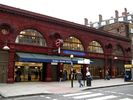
(85, 21)
(116, 16)
(100, 20)
(125, 14)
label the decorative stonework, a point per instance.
(4, 29)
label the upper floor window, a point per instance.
(30, 37)
(95, 47)
(73, 43)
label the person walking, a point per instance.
(60, 76)
(79, 78)
(107, 75)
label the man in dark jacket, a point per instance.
(79, 78)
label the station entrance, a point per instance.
(40, 67)
(28, 71)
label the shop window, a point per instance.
(30, 37)
(95, 47)
(73, 43)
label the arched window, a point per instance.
(95, 47)
(30, 37)
(73, 43)
(117, 51)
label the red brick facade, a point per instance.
(16, 20)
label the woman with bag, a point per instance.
(88, 78)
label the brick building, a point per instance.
(35, 47)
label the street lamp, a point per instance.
(87, 69)
(115, 57)
(6, 47)
(71, 56)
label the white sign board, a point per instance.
(84, 61)
(132, 62)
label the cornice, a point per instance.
(45, 18)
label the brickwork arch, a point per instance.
(73, 43)
(95, 47)
(31, 37)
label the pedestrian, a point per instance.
(107, 75)
(60, 76)
(79, 78)
(36, 73)
(88, 78)
(39, 73)
(65, 75)
(29, 74)
(18, 75)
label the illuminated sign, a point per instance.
(74, 53)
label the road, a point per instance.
(110, 93)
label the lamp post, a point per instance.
(71, 56)
(114, 61)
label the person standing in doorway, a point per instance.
(36, 73)
(79, 78)
(39, 73)
(29, 74)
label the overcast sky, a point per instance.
(73, 10)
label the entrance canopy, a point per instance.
(30, 57)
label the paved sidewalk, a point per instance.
(32, 88)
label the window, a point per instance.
(30, 37)
(73, 43)
(95, 47)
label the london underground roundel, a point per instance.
(58, 42)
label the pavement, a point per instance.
(17, 89)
